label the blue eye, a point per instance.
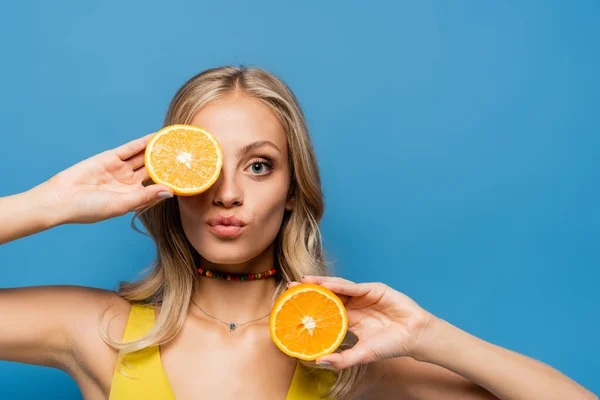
(257, 167)
(261, 167)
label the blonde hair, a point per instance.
(172, 278)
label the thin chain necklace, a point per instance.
(232, 325)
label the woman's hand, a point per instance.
(106, 185)
(387, 323)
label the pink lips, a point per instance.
(226, 226)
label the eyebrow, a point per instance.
(255, 145)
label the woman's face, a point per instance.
(252, 187)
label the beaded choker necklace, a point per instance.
(236, 277)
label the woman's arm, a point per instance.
(27, 213)
(505, 373)
(104, 186)
(420, 356)
(36, 323)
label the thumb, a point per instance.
(145, 196)
(359, 354)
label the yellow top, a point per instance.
(148, 380)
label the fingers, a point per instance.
(144, 197)
(359, 354)
(348, 288)
(328, 282)
(318, 280)
(321, 279)
(132, 148)
(141, 175)
(137, 161)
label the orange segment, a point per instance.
(186, 158)
(308, 321)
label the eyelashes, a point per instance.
(262, 163)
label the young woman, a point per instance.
(165, 336)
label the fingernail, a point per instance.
(303, 276)
(323, 363)
(288, 284)
(164, 195)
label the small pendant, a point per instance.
(232, 327)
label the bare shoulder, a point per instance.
(407, 378)
(92, 359)
(367, 387)
(75, 308)
(58, 326)
(88, 304)
(80, 300)
(95, 310)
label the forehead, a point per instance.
(237, 120)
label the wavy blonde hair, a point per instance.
(172, 279)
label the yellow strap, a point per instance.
(309, 383)
(146, 378)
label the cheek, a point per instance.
(265, 227)
(267, 206)
(269, 220)
(263, 206)
(191, 216)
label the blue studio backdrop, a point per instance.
(458, 144)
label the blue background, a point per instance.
(458, 144)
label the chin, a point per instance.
(228, 253)
(225, 259)
(241, 250)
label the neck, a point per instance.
(237, 301)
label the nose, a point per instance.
(227, 192)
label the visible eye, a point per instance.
(260, 167)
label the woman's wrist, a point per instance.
(433, 340)
(27, 213)
(504, 373)
(45, 205)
